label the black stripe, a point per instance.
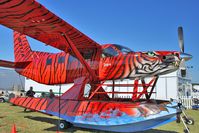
(51, 101)
(42, 103)
(77, 105)
(1, 3)
(17, 4)
(87, 106)
(20, 16)
(29, 102)
(38, 103)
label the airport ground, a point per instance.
(34, 122)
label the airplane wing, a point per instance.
(9, 64)
(31, 18)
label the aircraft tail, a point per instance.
(22, 50)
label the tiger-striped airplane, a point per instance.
(82, 62)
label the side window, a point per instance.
(48, 61)
(87, 54)
(61, 59)
(109, 52)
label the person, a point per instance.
(51, 94)
(29, 93)
(43, 95)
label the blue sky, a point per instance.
(141, 25)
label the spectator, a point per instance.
(43, 95)
(51, 94)
(30, 93)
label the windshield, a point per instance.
(109, 52)
(123, 49)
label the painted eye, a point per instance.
(151, 54)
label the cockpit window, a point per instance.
(109, 52)
(123, 49)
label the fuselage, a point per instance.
(116, 62)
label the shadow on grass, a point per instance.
(1, 117)
(74, 129)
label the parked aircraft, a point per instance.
(85, 62)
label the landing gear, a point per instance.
(189, 120)
(64, 124)
(186, 130)
(182, 116)
(2, 100)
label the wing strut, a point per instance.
(93, 76)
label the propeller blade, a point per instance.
(181, 39)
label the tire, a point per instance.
(2, 100)
(64, 124)
(186, 131)
(190, 121)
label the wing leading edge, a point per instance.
(31, 18)
(14, 65)
(8, 64)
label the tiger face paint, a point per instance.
(155, 63)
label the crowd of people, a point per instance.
(31, 93)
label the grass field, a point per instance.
(34, 122)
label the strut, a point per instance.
(140, 89)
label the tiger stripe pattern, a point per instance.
(137, 64)
(62, 68)
(46, 68)
(33, 19)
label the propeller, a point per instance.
(181, 39)
(183, 56)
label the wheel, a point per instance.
(196, 100)
(2, 100)
(186, 131)
(64, 124)
(190, 121)
(178, 118)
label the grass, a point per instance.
(34, 122)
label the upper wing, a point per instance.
(31, 18)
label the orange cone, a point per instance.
(14, 129)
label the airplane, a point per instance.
(88, 65)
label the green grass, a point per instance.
(34, 122)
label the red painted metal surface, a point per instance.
(81, 55)
(83, 61)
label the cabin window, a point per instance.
(87, 53)
(123, 50)
(109, 52)
(49, 62)
(61, 59)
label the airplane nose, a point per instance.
(185, 56)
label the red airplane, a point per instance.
(82, 62)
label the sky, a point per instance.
(9, 79)
(141, 25)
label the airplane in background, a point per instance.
(85, 62)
